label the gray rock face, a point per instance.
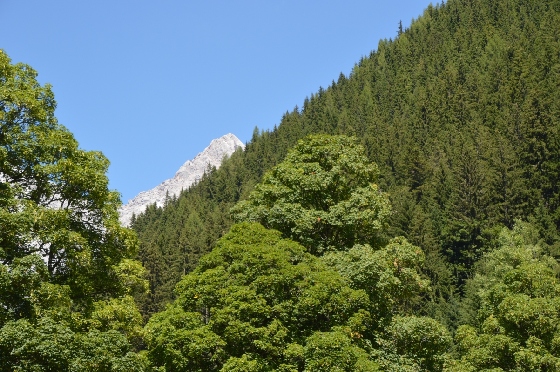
(188, 174)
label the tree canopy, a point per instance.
(322, 195)
(66, 268)
(512, 307)
(258, 300)
(405, 218)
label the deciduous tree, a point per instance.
(322, 195)
(66, 273)
(255, 303)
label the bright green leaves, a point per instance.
(416, 343)
(118, 314)
(322, 195)
(389, 275)
(65, 267)
(180, 341)
(22, 99)
(132, 276)
(254, 301)
(54, 197)
(515, 301)
(18, 282)
(336, 351)
(41, 328)
(53, 346)
(51, 335)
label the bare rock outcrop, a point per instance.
(188, 174)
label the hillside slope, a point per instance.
(190, 172)
(461, 113)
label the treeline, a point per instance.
(405, 218)
(309, 280)
(460, 112)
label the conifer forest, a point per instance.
(404, 218)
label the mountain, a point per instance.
(187, 175)
(460, 112)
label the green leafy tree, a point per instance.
(54, 198)
(413, 343)
(389, 275)
(49, 345)
(66, 273)
(322, 195)
(255, 303)
(512, 308)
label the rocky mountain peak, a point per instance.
(187, 175)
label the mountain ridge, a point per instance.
(189, 173)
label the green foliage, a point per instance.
(255, 302)
(56, 337)
(17, 283)
(414, 343)
(322, 195)
(54, 200)
(49, 345)
(390, 275)
(334, 351)
(513, 305)
(66, 273)
(459, 112)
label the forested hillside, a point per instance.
(461, 114)
(406, 218)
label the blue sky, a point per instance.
(150, 84)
